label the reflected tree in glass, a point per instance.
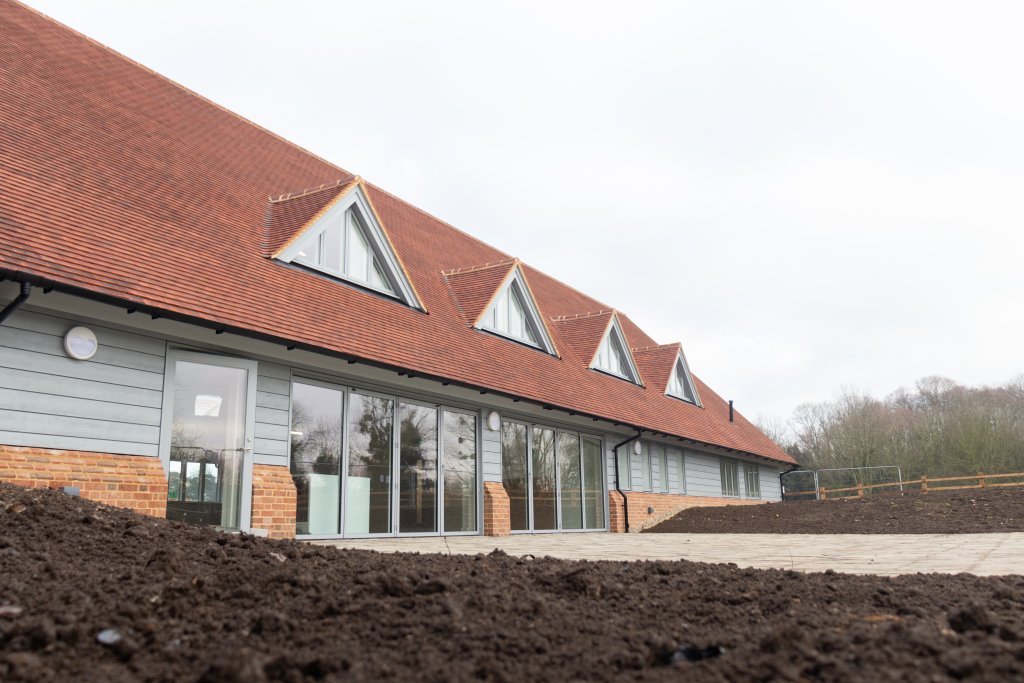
(570, 480)
(593, 483)
(316, 435)
(545, 514)
(514, 473)
(460, 472)
(417, 511)
(370, 424)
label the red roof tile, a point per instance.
(583, 333)
(288, 215)
(120, 182)
(475, 288)
(656, 364)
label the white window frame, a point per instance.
(515, 285)
(355, 206)
(729, 466)
(251, 368)
(748, 470)
(612, 335)
(681, 370)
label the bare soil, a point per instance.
(93, 593)
(975, 511)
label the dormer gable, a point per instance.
(496, 298)
(599, 341)
(680, 382)
(666, 365)
(336, 231)
(613, 356)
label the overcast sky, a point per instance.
(807, 195)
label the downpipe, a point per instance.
(26, 292)
(618, 484)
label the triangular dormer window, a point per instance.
(680, 383)
(613, 354)
(347, 241)
(514, 314)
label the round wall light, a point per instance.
(493, 421)
(80, 343)
(638, 447)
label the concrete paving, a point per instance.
(889, 555)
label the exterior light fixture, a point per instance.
(80, 343)
(493, 421)
(638, 447)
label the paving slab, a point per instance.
(887, 555)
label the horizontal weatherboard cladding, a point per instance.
(110, 403)
(491, 447)
(273, 389)
(771, 487)
(703, 475)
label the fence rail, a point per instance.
(926, 484)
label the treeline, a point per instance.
(938, 428)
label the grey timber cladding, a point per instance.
(491, 450)
(703, 476)
(771, 487)
(273, 392)
(108, 404)
(676, 484)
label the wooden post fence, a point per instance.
(926, 484)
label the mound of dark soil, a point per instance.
(93, 593)
(973, 511)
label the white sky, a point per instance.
(808, 195)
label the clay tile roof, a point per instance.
(123, 185)
(289, 214)
(474, 288)
(583, 332)
(656, 364)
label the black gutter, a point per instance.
(618, 484)
(27, 280)
(26, 291)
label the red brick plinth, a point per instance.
(497, 519)
(665, 505)
(273, 501)
(132, 481)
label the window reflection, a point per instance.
(460, 472)
(207, 445)
(593, 483)
(316, 457)
(570, 480)
(417, 512)
(370, 423)
(544, 493)
(514, 473)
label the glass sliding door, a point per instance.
(368, 485)
(460, 472)
(570, 480)
(593, 483)
(545, 491)
(515, 473)
(316, 441)
(417, 469)
(210, 407)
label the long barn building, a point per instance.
(204, 321)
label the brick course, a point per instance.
(273, 501)
(133, 481)
(497, 516)
(665, 505)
